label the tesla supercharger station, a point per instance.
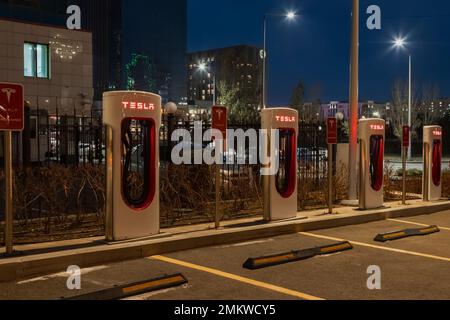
(133, 120)
(280, 188)
(371, 139)
(432, 162)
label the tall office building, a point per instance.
(158, 31)
(104, 19)
(154, 29)
(50, 12)
(100, 17)
(240, 66)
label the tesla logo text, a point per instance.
(138, 105)
(437, 133)
(285, 119)
(377, 127)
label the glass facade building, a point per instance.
(52, 12)
(158, 31)
(152, 28)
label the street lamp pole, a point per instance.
(410, 107)
(401, 43)
(264, 57)
(354, 103)
(290, 16)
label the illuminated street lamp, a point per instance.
(290, 16)
(401, 44)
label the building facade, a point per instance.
(157, 31)
(50, 12)
(103, 18)
(154, 29)
(54, 65)
(240, 66)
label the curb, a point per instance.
(13, 269)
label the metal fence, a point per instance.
(60, 175)
(66, 139)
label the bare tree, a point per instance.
(398, 113)
(429, 110)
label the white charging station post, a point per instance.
(432, 163)
(280, 188)
(372, 139)
(132, 121)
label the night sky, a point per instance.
(315, 48)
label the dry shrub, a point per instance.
(91, 196)
(389, 185)
(311, 183)
(241, 190)
(47, 197)
(185, 188)
(446, 183)
(341, 183)
(188, 193)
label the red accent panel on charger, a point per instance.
(437, 162)
(149, 159)
(290, 160)
(376, 162)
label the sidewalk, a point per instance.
(39, 259)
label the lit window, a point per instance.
(36, 60)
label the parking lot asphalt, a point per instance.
(410, 268)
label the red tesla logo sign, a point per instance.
(11, 107)
(285, 119)
(220, 120)
(133, 105)
(377, 127)
(405, 136)
(437, 133)
(332, 131)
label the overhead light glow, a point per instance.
(290, 15)
(399, 42)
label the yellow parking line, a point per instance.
(362, 244)
(237, 278)
(418, 224)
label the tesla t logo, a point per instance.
(437, 133)
(285, 119)
(377, 127)
(4, 115)
(131, 105)
(8, 92)
(219, 114)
